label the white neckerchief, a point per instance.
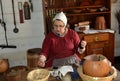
(60, 35)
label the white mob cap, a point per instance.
(61, 16)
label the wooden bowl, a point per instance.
(93, 10)
(76, 11)
(14, 73)
(4, 65)
(85, 77)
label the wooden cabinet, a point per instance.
(77, 11)
(100, 43)
(80, 11)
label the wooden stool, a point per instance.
(32, 57)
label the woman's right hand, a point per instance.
(41, 61)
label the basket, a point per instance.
(14, 73)
(14, 76)
(38, 75)
(85, 77)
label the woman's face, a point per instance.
(59, 27)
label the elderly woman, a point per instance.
(61, 45)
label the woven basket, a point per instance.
(85, 77)
(14, 73)
(38, 75)
(14, 76)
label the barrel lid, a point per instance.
(34, 50)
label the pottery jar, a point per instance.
(3, 65)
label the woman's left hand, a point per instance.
(83, 43)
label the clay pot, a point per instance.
(96, 66)
(3, 65)
(100, 23)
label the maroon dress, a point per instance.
(55, 47)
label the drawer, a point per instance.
(96, 37)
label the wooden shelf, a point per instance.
(85, 10)
(91, 13)
(77, 7)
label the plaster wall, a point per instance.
(114, 25)
(30, 35)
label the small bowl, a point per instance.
(76, 11)
(93, 10)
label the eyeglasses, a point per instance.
(58, 26)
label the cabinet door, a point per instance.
(98, 48)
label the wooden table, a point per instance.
(24, 74)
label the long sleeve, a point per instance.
(46, 47)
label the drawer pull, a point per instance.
(96, 39)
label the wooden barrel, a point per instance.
(32, 57)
